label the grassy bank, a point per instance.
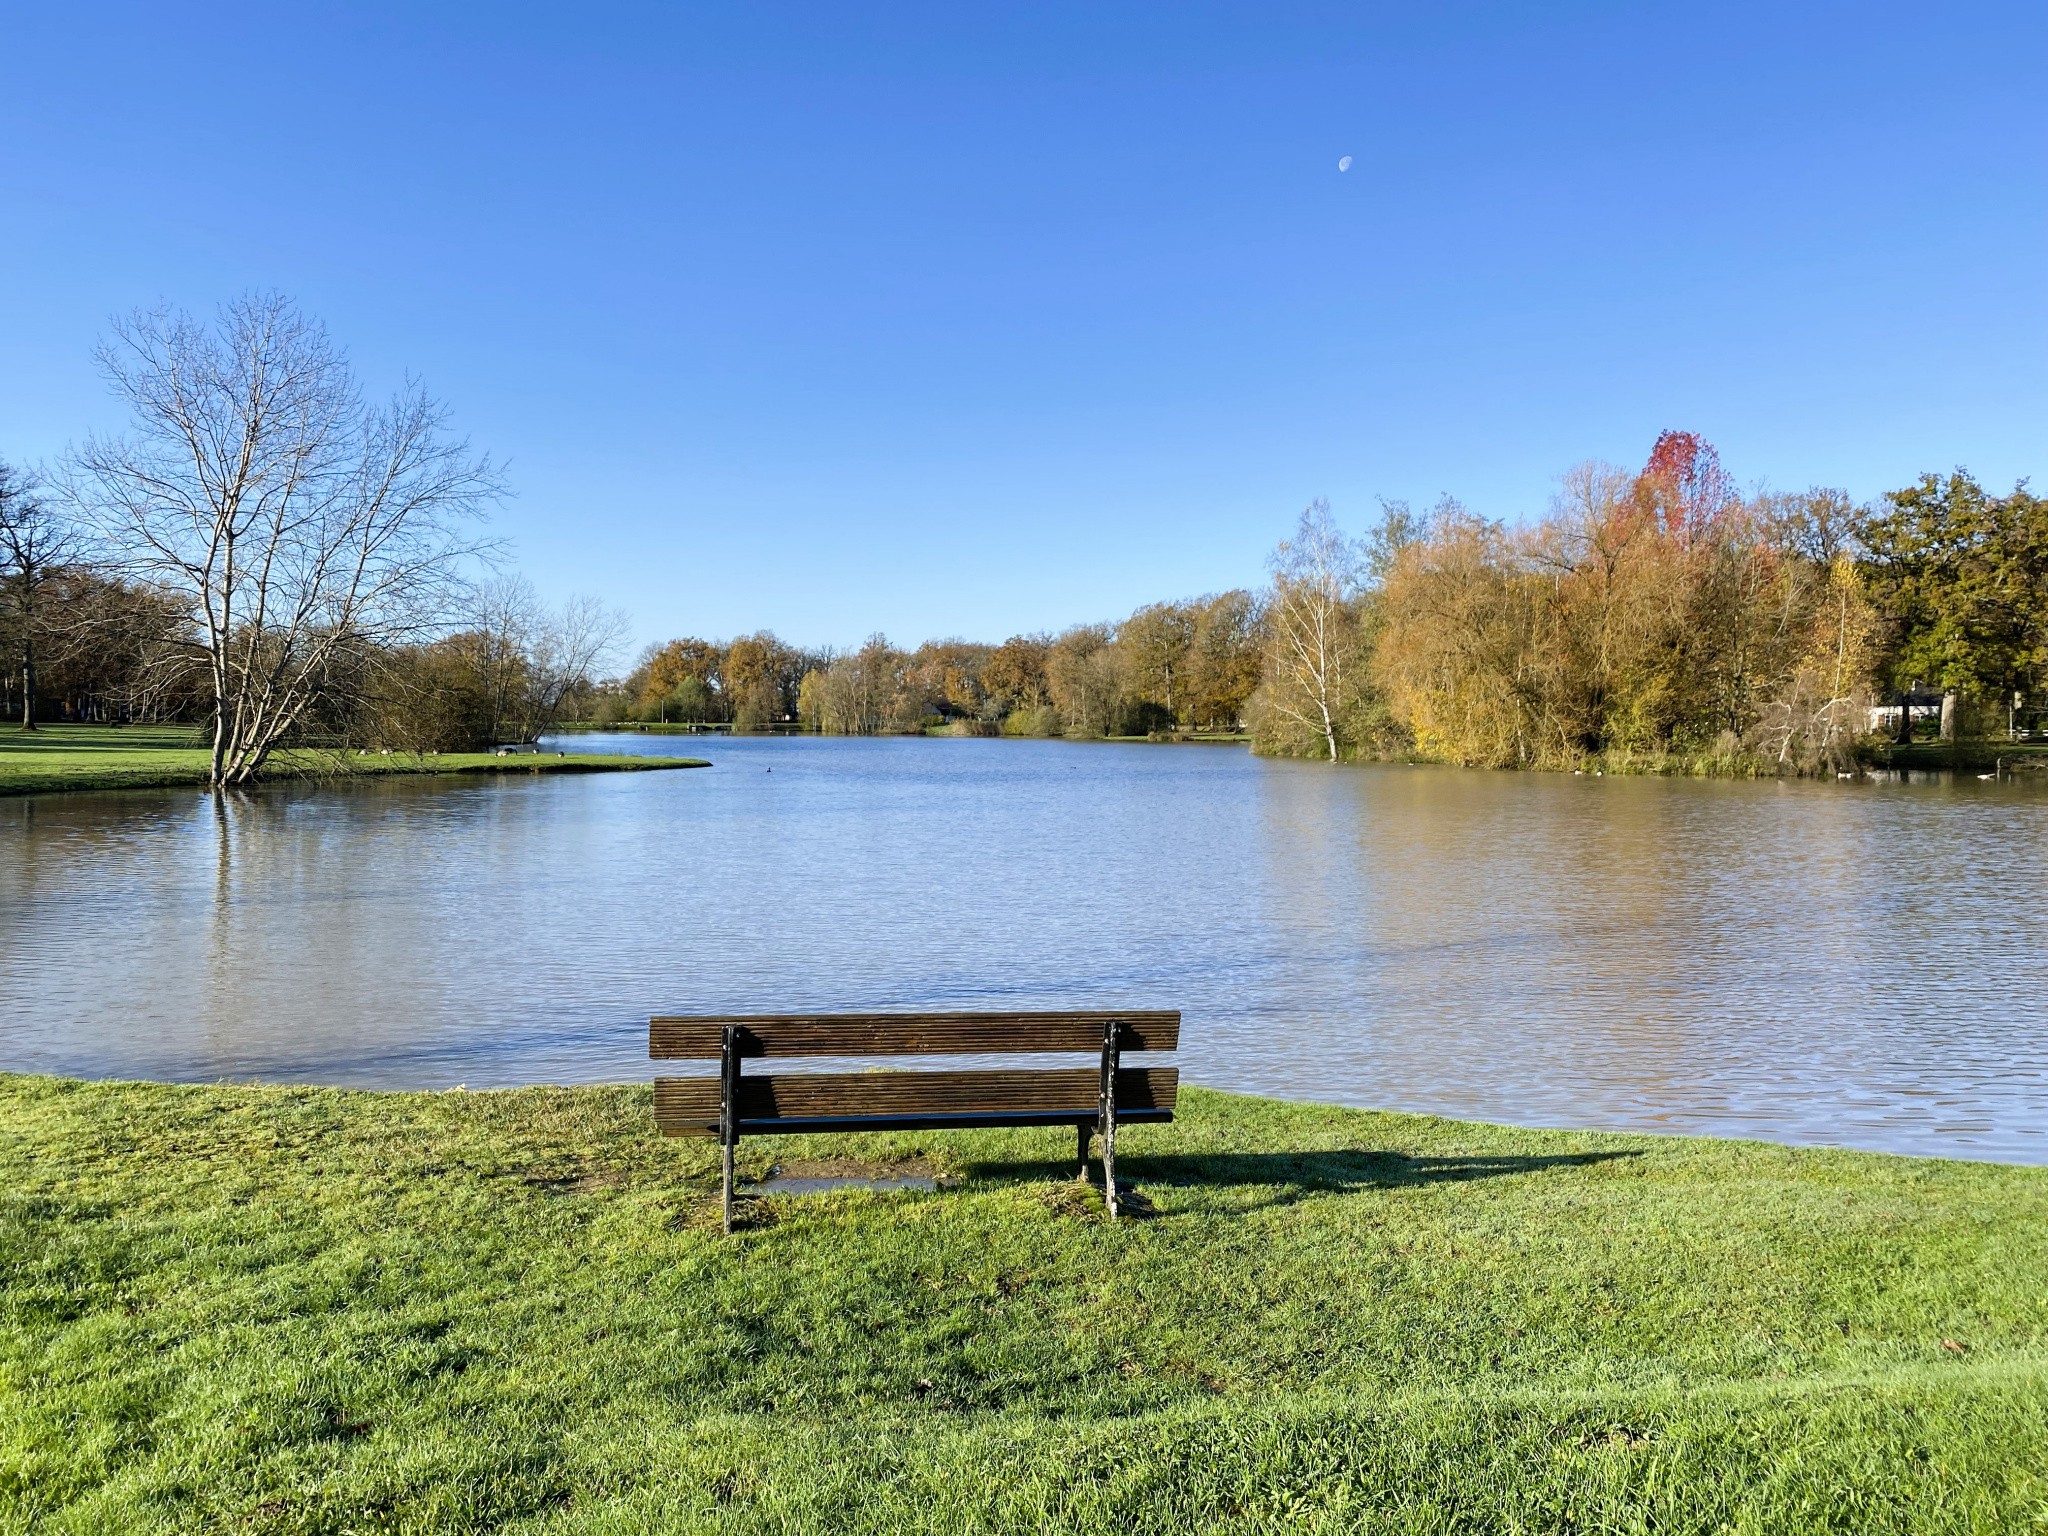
(61, 757)
(1993, 756)
(1975, 756)
(668, 728)
(304, 1310)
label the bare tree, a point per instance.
(303, 530)
(522, 660)
(1309, 619)
(564, 649)
(504, 616)
(37, 545)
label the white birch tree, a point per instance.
(1310, 624)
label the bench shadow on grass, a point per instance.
(1293, 1176)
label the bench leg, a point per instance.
(1111, 1060)
(1087, 1134)
(729, 1110)
(1109, 1166)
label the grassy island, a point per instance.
(307, 1310)
(62, 757)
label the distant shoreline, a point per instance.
(1972, 755)
(955, 731)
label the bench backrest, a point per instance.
(912, 1099)
(702, 1037)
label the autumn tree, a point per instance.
(490, 655)
(1741, 610)
(1814, 712)
(1654, 612)
(1014, 674)
(679, 680)
(1459, 655)
(1223, 660)
(752, 679)
(1612, 620)
(1683, 486)
(1158, 643)
(1817, 525)
(532, 657)
(945, 677)
(432, 697)
(1085, 675)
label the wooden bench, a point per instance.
(1092, 1099)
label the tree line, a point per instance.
(1653, 617)
(1171, 667)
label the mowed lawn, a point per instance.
(66, 757)
(98, 756)
(300, 1310)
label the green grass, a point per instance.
(300, 1310)
(64, 757)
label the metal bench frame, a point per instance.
(915, 1100)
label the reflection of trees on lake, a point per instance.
(237, 817)
(316, 905)
(1504, 940)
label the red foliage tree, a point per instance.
(1685, 487)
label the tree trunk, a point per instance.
(1905, 737)
(1948, 715)
(28, 689)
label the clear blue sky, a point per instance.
(971, 319)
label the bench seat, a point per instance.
(904, 1101)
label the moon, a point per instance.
(1344, 164)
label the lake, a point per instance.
(1859, 964)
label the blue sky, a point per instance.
(971, 319)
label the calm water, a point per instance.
(1857, 964)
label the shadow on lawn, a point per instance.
(1292, 1176)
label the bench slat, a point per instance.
(688, 1106)
(908, 1034)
